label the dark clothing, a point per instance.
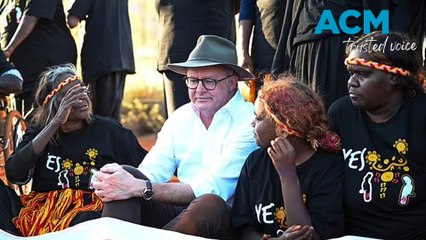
(107, 94)
(385, 173)
(70, 163)
(181, 23)
(11, 14)
(206, 216)
(73, 162)
(259, 202)
(107, 52)
(107, 45)
(9, 208)
(267, 21)
(4, 64)
(50, 43)
(317, 58)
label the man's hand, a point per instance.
(113, 183)
(248, 63)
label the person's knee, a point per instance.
(135, 172)
(209, 206)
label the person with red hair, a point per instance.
(291, 187)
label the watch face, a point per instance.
(148, 194)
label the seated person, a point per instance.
(206, 141)
(10, 77)
(62, 151)
(382, 124)
(292, 187)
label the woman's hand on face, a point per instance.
(282, 154)
(72, 98)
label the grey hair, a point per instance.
(49, 80)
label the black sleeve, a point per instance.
(20, 165)
(4, 64)
(132, 152)
(241, 214)
(80, 8)
(326, 205)
(42, 8)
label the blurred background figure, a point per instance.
(181, 23)
(10, 78)
(107, 52)
(318, 59)
(262, 20)
(41, 39)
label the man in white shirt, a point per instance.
(206, 141)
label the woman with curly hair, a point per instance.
(62, 151)
(382, 124)
(291, 187)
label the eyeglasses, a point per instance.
(208, 83)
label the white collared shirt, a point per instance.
(209, 160)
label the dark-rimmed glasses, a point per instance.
(208, 83)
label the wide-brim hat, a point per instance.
(212, 50)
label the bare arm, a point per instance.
(26, 26)
(283, 156)
(114, 183)
(246, 30)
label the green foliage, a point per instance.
(144, 115)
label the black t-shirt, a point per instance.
(183, 21)
(4, 64)
(385, 174)
(50, 43)
(107, 45)
(259, 203)
(78, 155)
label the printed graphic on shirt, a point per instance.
(383, 170)
(266, 214)
(71, 171)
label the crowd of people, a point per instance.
(332, 145)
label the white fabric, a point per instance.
(209, 160)
(107, 228)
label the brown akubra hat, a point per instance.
(212, 50)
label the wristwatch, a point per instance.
(147, 193)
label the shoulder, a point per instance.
(256, 159)
(340, 105)
(326, 160)
(107, 124)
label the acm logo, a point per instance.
(328, 23)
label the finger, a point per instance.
(271, 153)
(110, 168)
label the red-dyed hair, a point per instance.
(299, 108)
